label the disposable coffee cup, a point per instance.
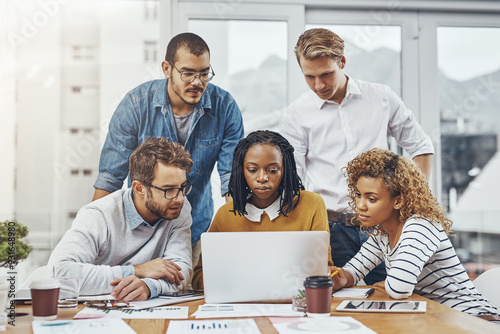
(318, 295)
(44, 297)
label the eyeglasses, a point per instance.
(107, 304)
(188, 76)
(172, 193)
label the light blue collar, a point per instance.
(134, 219)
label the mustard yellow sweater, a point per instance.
(308, 215)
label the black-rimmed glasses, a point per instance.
(107, 304)
(188, 76)
(171, 193)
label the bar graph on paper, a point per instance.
(232, 326)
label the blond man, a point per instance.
(337, 119)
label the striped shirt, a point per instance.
(424, 262)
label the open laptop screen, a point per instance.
(260, 266)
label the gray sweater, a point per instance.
(108, 237)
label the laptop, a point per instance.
(260, 266)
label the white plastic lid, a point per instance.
(44, 284)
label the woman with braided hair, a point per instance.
(267, 193)
(408, 230)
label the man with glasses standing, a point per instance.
(134, 243)
(186, 109)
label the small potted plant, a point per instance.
(299, 301)
(12, 248)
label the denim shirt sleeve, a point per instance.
(121, 141)
(233, 133)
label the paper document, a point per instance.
(245, 310)
(94, 326)
(344, 325)
(227, 326)
(353, 293)
(169, 312)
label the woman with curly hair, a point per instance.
(267, 193)
(408, 231)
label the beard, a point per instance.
(162, 212)
(178, 91)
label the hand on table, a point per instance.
(159, 268)
(130, 288)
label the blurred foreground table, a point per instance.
(437, 319)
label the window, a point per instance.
(249, 66)
(151, 10)
(151, 52)
(84, 52)
(469, 86)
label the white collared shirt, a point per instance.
(327, 135)
(254, 213)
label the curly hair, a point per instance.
(400, 177)
(290, 185)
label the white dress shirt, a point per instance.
(327, 135)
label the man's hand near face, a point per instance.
(130, 288)
(159, 268)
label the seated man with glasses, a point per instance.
(185, 108)
(135, 243)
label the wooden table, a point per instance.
(437, 319)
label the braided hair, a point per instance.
(290, 185)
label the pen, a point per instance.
(369, 292)
(334, 273)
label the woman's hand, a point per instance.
(340, 279)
